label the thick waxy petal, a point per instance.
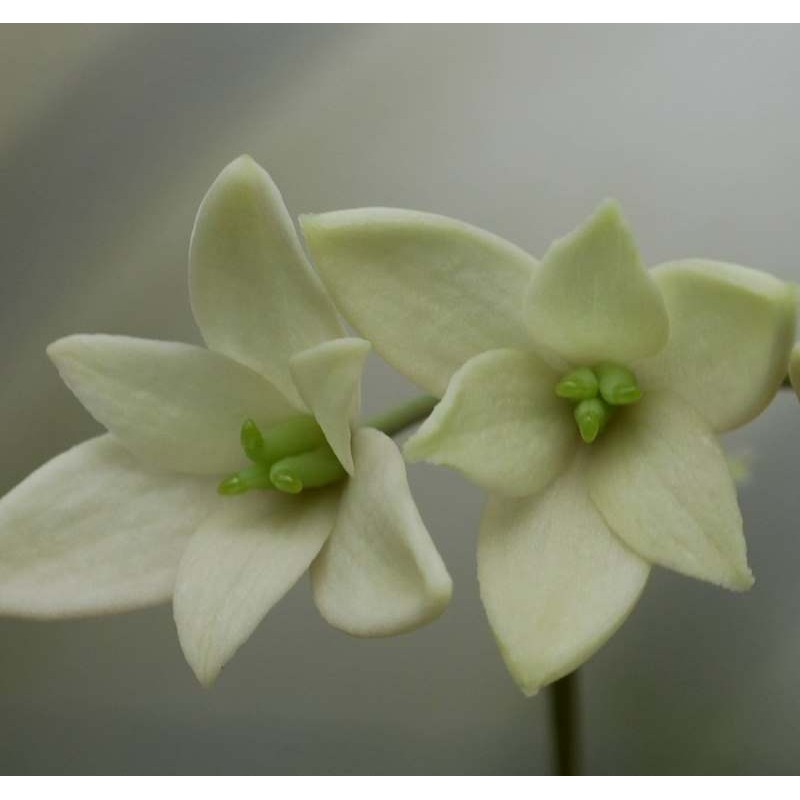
(240, 563)
(501, 424)
(429, 292)
(91, 532)
(556, 583)
(592, 299)
(254, 294)
(731, 331)
(661, 481)
(794, 369)
(328, 378)
(379, 574)
(176, 406)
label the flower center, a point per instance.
(595, 392)
(288, 457)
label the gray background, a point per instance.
(108, 139)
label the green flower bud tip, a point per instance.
(286, 482)
(252, 441)
(251, 478)
(310, 470)
(591, 417)
(580, 384)
(617, 385)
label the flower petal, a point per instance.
(254, 294)
(379, 574)
(176, 406)
(328, 378)
(501, 424)
(429, 292)
(794, 369)
(660, 479)
(91, 532)
(592, 300)
(556, 583)
(731, 332)
(239, 564)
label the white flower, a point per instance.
(537, 360)
(120, 521)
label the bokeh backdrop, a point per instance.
(109, 137)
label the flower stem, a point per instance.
(564, 716)
(398, 419)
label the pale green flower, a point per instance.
(584, 392)
(121, 521)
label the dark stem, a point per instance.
(564, 715)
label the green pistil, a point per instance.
(617, 385)
(296, 435)
(311, 470)
(595, 393)
(580, 384)
(291, 456)
(251, 478)
(591, 417)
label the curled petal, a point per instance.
(661, 480)
(731, 332)
(556, 583)
(592, 299)
(429, 292)
(254, 295)
(92, 532)
(176, 406)
(500, 424)
(379, 573)
(328, 378)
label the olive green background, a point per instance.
(109, 138)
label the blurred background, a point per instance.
(109, 137)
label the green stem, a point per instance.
(564, 715)
(398, 419)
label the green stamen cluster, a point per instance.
(596, 391)
(288, 457)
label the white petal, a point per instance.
(240, 563)
(328, 378)
(379, 574)
(91, 532)
(176, 406)
(429, 292)
(794, 369)
(556, 583)
(254, 294)
(501, 424)
(660, 479)
(592, 300)
(731, 331)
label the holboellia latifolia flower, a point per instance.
(227, 472)
(583, 391)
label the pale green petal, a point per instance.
(239, 564)
(91, 532)
(379, 574)
(176, 406)
(254, 294)
(429, 292)
(660, 479)
(500, 424)
(328, 378)
(556, 583)
(731, 332)
(794, 369)
(592, 299)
